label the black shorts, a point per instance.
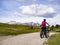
(43, 28)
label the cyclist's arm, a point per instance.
(40, 24)
(48, 24)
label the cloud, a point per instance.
(55, 20)
(54, 1)
(49, 15)
(37, 10)
(27, 2)
(30, 10)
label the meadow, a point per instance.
(54, 40)
(14, 29)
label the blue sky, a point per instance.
(30, 11)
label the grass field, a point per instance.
(14, 29)
(11, 29)
(54, 40)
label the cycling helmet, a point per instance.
(44, 19)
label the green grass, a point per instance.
(10, 29)
(54, 40)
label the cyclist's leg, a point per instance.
(45, 32)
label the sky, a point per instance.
(30, 11)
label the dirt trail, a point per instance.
(25, 39)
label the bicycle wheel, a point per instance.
(42, 34)
(47, 33)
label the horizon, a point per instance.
(30, 11)
(28, 23)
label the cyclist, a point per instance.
(43, 24)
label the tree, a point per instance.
(56, 25)
(52, 27)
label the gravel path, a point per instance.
(25, 39)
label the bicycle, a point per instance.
(46, 33)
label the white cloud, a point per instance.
(28, 9)
(43, 9)
(55, 20)
(37, 10)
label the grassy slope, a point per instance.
(54, 40)
(6, 29)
